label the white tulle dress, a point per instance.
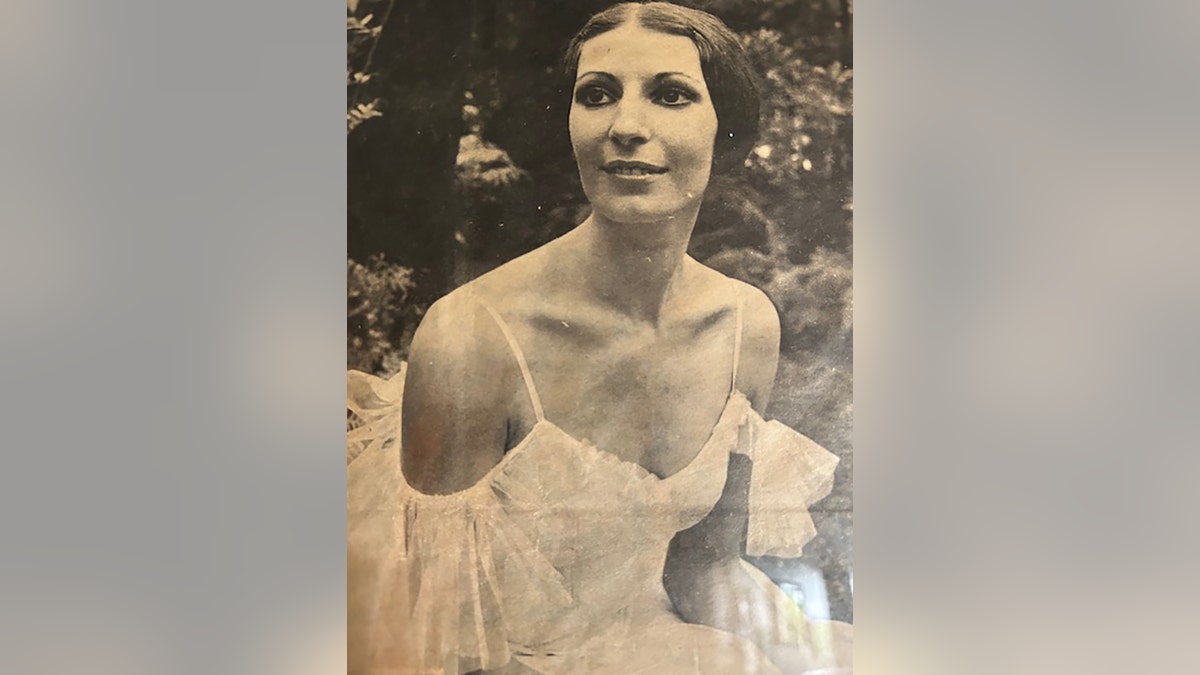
(553, 561)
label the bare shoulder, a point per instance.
(457, 333)
(463, 385)
(760, 317)
(456, 396)
(760, 344)
(758, 357)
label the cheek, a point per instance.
(697, 141)
(583, 131)
(709, 133)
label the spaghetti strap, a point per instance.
(516, 350)
(737, 340)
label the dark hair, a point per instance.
(724, 62)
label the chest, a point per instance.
(646, 398)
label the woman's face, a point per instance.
(642, 124)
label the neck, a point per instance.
(634, 267)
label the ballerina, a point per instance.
(576, 461)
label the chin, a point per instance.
(635, 216)
(635, 211)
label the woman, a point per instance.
(582, 456)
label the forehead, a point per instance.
(632, 49)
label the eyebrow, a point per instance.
(662, 76)
(597, 73)
(657, 78)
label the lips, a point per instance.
(628, 168)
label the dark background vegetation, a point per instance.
(459, 160)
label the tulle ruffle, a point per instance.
(791, 473)
(373, 411)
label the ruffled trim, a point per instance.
(791, 473)
(372, 411)
(437, 583)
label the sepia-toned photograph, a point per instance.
(599, 339)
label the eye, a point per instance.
(593, 96)
(675, 96)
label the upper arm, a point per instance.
(759, 358)
(456, 403)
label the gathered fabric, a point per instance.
(553, 561)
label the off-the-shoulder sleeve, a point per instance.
(791, 472)
(437, 583)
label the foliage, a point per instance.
(818, 30)
(815, 304)
(803, 104)
(794, 195)
(484, 170)
(361, 113)
(380, 317)
(361, 38)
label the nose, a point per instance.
(629, 124)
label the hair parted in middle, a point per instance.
(724, 63)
